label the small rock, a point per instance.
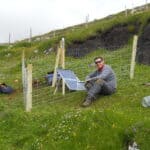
(36, 51)
(133, 146)
(146, 101)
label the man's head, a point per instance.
(99, 62)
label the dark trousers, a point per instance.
(97, 87)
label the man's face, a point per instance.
(99, 63)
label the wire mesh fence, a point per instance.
(119, 60)
(10, 74)
(43, 93)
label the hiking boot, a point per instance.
(87, 103)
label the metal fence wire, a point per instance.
(42, 92)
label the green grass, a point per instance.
(58, 122)
(81, 33)
(110, 123)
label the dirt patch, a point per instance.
(116, 38)
(143, 50)
(112, 39)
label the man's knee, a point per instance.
(100, 81)
(88, 85)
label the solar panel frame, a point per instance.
(71, 80)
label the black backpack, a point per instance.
(6, 89)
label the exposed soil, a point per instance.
(112, 39)
(143, 51)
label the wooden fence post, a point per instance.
(56, 66)
(23, 66)
(9, 39)
(63, 62)
(30, 35)
(60, 59)
(24, 75)
(126, 12)
(86, 20)
(134, 49)
(29, 88)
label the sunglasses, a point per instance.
(97, 62)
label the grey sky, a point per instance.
(17, 16)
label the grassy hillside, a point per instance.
(81, 32)
(112, 122)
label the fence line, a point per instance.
(122, 68)
(53, 34)
(42, 93)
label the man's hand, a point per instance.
(87, 78)
(90, 79)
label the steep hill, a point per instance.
(111, 33)
(58, 122)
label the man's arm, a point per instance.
(90, 76)
(90, 79)
(103, 75)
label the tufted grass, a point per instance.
(112, 122)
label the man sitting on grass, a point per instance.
(102, 81)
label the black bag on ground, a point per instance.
(5, 89)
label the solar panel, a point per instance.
(71, 80)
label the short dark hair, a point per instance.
(99, 57)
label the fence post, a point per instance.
(30, 35)
(24, 83)
(146, 5)
(86, 21)
(134, 48)
(63, 62)
(56, 66)
(126, 11)
(60, 59)
(29, 88)
(23, 66)
(9, 40)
